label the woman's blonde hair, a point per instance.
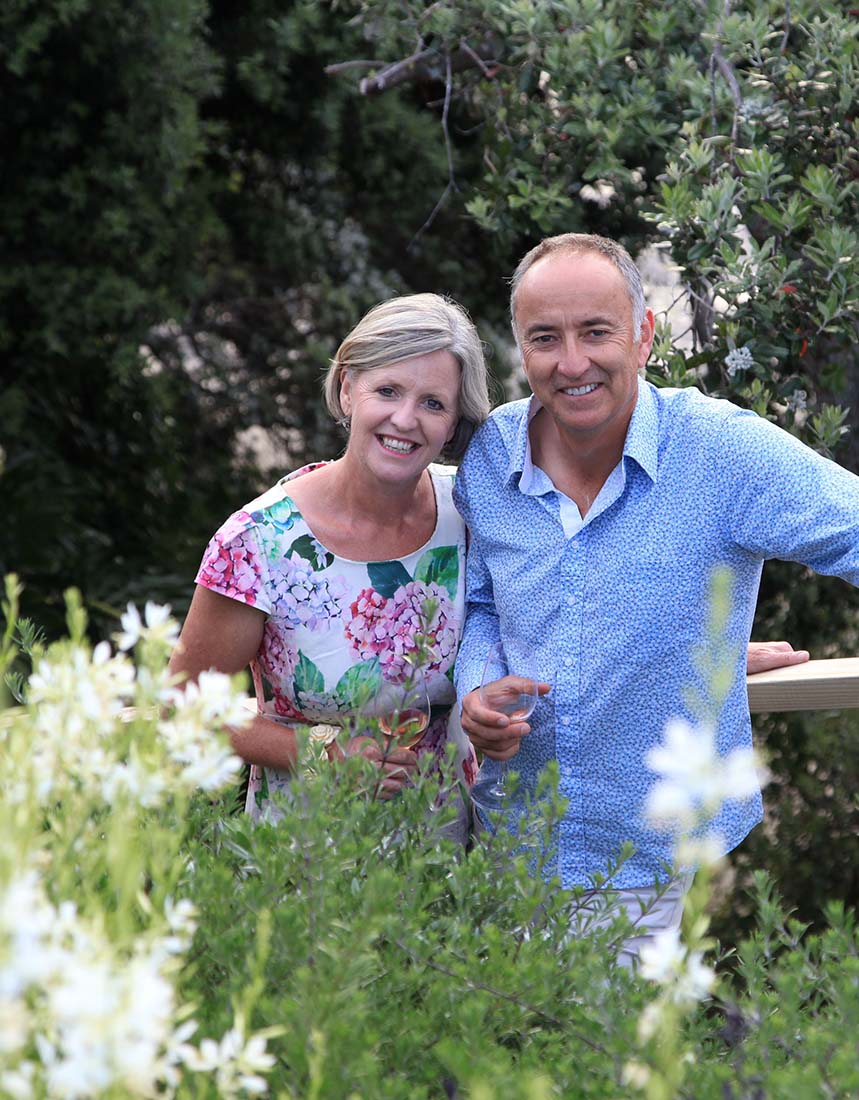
(417, 324)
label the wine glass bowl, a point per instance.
(515, 697)
(509, 687)
(406, 722)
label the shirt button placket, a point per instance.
(567, 709)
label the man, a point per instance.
(598, 509)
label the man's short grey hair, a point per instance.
(417, 324)
(572, 243)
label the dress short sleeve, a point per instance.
(233, 565)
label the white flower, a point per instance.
(696, 780)
(14, 1025)
(636, 1074)
(703, 851)
(69, 692)
(739, 359)
(662, 956)
(18, 1083)
(159, 626)
(237, 1065)
(665, 960)
(695, 982)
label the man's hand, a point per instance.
(762, 656)
(495, 734)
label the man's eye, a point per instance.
(385, 391)
(543, 338)
(598, 332)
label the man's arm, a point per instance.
(788, 502)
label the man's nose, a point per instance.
(573, 360)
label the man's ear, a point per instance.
(345, 393)
(645, 342)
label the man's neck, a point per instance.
(578, 464)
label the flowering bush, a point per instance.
(153, 943)
(98, 764)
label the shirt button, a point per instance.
(566, 719)
(566, 771)
(568, 661)
(571, 600)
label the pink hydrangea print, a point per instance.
(230, 566)
(276, 657)
(303, 597)
(388, 628)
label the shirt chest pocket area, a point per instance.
(671, 597)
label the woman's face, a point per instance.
(403, 414)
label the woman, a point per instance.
(320, 585)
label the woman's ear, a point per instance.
(345, 393)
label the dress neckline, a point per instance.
(355, 561)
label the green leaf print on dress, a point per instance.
(308, 679)
(440, 566)
(387, 576)
(308, 548)
(359, 685)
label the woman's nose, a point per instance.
(404, 416)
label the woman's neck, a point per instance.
(361, 496)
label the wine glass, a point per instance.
(404, 720)
(509, 686)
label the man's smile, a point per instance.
(580, 391)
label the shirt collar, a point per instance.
(520, 452)
(642, 436)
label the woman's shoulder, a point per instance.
(274, 510)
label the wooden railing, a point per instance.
(816, 685)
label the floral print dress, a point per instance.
(337, 631)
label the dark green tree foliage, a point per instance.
(195, 215)
(101, 136)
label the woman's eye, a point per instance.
(385, 391)
(435, 405)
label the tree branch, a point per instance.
(451, 178)
(347, 66)
(423, 65)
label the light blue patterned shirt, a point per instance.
(616, 610)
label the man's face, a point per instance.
(574, 320)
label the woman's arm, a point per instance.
(226, 635)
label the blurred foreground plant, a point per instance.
(98, 764)
(348, 949)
